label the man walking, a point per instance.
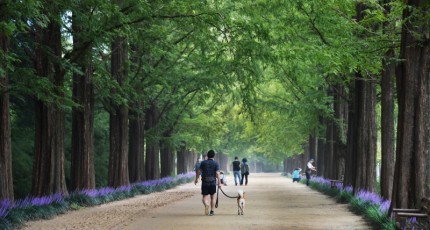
(211, 177)
(309, 168)
(236, 170)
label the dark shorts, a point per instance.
(208, 189)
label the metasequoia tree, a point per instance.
(152, 161)
(136, 156)
(48, 165)
(364, 156)
(6, 183)
(387, 115)
(82, 173)
(167, 155)
(118, 111)
(339, 131)
(181, 163)
(411, 167)
(361, 142)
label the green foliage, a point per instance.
(344, 196)
(246, 77)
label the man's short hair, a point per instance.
(235, 158)
(211, 154)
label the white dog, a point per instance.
(240, 202)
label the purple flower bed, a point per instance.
(320, 180)
(4, 210)
(364, 202)
(14, 213)
(369, 197)
(6, 205)
(105, 191)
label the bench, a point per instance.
(334, 182)
(413, 218)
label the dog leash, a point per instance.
(217, 193)
(234, 197)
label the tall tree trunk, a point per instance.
(365, 176)
(412, 130)
(351, 150)
(166, 156)
(361, 159)
(152, 160)
(48, 166)
(152, 143)
(339, 132)
(180, 165)
(329, 151)
(82, 174)
(387, 125)
(118, 119)
(321, 151)
(136, 157)
(387, 117)
(6, 179)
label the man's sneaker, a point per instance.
(206, 210)
(212, 213)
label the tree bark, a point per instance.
(152, 143)
(412, 129)
(321, 150)
(329, 149)
(118, 119)
(181, 165)
(136, 157)
(361, 155)
(82, 175)
(351, 149)
(6, 179)
(387, 125)
(48, 166)
(339, 132)
(365, 175)
(166, 156)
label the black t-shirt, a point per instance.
(236, 165)
(209, 169)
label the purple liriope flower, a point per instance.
(105, 191)
(362, 194)
(320, 180)
(46, 200)
(412, 220)
(385, 205)
(151, 183)
(6, 204)
(89, 192)
(349, 189)
(124, 188)
(4, 211)
(369, 197)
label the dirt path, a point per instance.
(272, 202)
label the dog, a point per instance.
(240, 202)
